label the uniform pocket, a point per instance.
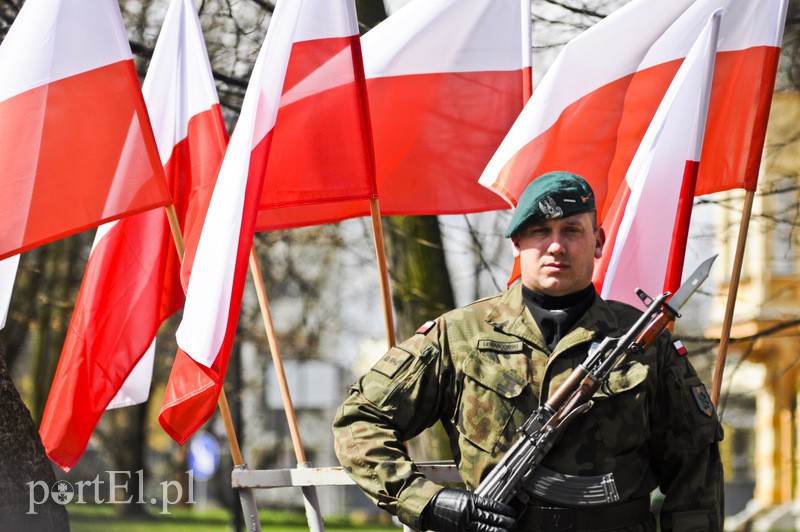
(620, 408)
(626, 376)
(488, 399)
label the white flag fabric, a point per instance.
(132, 281)
(76, 146)
(307, 83)
(591, 110)
(446, 80)
(635, 255)
(213, 299)
(8, 274)
(184, 109)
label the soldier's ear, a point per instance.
(599, 242)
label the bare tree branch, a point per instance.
(577, 10)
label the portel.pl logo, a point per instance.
(89, 491)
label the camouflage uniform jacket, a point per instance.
(484, 368)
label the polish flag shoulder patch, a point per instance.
(426, 327)
(680, 347)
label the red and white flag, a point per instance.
(592, 108)
(132, 280)
(8, 273)
(645, 210)
(445, 81)
(76, 146)
(213, 299)
(321, 159)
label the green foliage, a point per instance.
(92, 518)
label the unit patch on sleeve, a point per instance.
(391, 362)
(703, 400)
(680, 347)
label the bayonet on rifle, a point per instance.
(690, 286)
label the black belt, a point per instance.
(539, 516)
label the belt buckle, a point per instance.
(559, 519)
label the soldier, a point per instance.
(483, 369)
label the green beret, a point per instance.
(552, 195)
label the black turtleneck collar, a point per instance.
(556, 315)
(559, 302)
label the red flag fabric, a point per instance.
(132, 280)
(321, 155)
(443, 90)
(76, 146)
(446, 80)
(593, 107)
(646, 209)
(298, 32)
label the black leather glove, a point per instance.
(453, 510)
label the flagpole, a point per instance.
(733, 289)
(266, 314)
(309, 492)
(175, 227)
(374, 205)
(380, 253)
(246, 496)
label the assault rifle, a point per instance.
(545, 426)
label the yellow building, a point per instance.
(764, 354)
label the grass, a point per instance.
(102, 518)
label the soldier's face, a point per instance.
(557, 256)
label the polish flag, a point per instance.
(445, 81)
(645, 212)
(76, 145)
(132, 280)
(321, 159)
(8, 273)
(592, 108)
(302, 35)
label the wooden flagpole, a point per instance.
(266, 314)
(246, 496)
(733, 289)
(380, 253)
(310, 499)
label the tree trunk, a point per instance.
(370, 12)
(24, 300)
(421, 291)
(26, 475)
(421, 287)
(63, 263)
